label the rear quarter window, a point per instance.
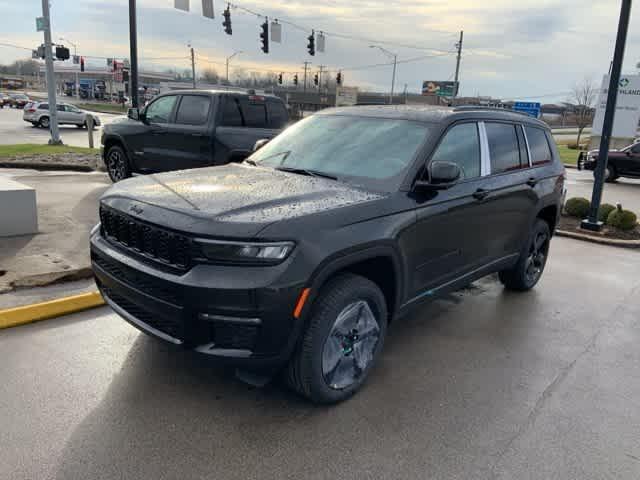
(538, 146)
(278, 115)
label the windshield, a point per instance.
(373, 151)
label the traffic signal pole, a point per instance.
(592, 223)
(133, 53)
(51, 78)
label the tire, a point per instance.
(82, 125)
(610, 174)
(117, 164)
(528, 270)
(44, 122)
(329, 366)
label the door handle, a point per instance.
(532, 182)
(481, 194)
(197, 134)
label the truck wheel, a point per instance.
(533, 258)
(44, 122)
(610, 174)
(117, 164)
(343, 340)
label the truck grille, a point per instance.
(153, 242)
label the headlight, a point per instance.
(220, 251)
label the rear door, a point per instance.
(512, 189)
(152, 146)
(243, 122)
(63, 115)
(189, 135)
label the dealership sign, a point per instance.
(627, 115)
(346, 96)
(439, 89)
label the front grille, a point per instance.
(233, 335)
(138, 280)
(163, 246)
(172, 327)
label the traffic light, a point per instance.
(312, 43)
(227, 21)
(280, 78)
(82, 64)
(264, 36)
(62, 53)
(295, 79)
(339, 78)
(316, 79)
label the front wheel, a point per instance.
(44, 122)
(610, 174)
(527, 271)
(117, 164)
(342, 342)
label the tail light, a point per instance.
(31, 110)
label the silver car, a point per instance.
(37, 113)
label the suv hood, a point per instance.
(230, 200)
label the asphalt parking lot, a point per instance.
(624, 190)
(483, 384)
(15, 130)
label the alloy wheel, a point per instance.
(116, 165)
(350, 346)
(537, 257)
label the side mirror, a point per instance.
(133, 114)
(442, 175)
(260, 143)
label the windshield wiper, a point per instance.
(250, 162)
(306, 171)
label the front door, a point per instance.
(628, 162)
(450, 227)
(156, 146)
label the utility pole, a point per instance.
(51, 78)
(592, 222)
(457, 77)
(133, 53)
(193, 66)
(395, 62)
(229, 59)
(306, 65)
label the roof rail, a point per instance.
(463, 108)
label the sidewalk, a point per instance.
(67, 210)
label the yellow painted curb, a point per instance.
(13, 317)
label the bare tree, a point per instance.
(210, 76)
(582, 98)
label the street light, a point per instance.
(75, 53)
(228, 59)
(395, 61)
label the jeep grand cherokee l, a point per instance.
(188, 129)
(298, 259)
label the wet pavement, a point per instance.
(624, 190)
(484, 384)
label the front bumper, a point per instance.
(586, 163)
(233, 313)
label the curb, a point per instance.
(602, 241)
(46, 166)
(12, 317)
(569, 165)
(108, 112)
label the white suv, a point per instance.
(37, 113)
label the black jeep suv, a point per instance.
(188, 129)
(299, 258)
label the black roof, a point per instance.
(432, 114)
(218, 92)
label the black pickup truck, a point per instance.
(190, 129)
(622, 163)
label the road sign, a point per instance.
(438, 89)
(530, 108)
(41, 24)
(346, 96)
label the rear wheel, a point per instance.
(533, 258)
(44, 122)
(117, 164)
(342, 342)
(610, 174)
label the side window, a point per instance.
(503, 147)
(635, 148)
(277, 115)
(60, 108)
(193, 110)
(231, 116)
(254, 113)
(160, 110)
(461, 145)
(538, 146)
(43, 106)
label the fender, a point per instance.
(117, 138)
(345, 258)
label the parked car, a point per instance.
(4, 100)
(622, 163)
(18, 100)
(188, 129)
(37, 113)
(301, 256)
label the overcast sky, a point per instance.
(523, 49)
